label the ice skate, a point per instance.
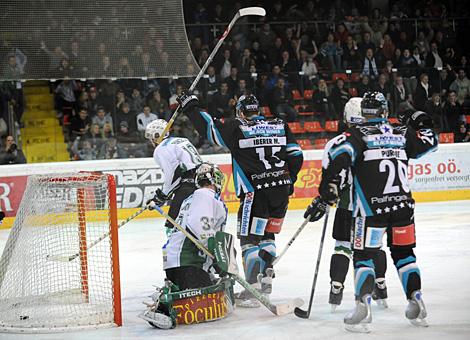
(416, 311)
(245, 299)
(266, 282)
(379, 294)
(336, 295)
(358, 320)
(157, 314)
(158, 319)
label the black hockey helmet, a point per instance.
(374, 105)
(248, 105)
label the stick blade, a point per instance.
(60, 258)
(260, 11)
(288, 307)
(303, 314)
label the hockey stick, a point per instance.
(259, 11)
(269, 259)
(298, 311)
(98, 240)
(277, 309)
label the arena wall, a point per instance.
(439, 176)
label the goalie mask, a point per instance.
(154, 130)
(374, 105)
(353, 111)
(247, 105)
(209, 174)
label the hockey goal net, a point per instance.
(60, 267)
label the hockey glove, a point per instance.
(187, 101)
(316, 209)
(158, 200)
(328, 190)
(420, 120)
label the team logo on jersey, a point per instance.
(262, 130)
(385, 140)
(385, 128)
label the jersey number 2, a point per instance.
(387, 165)
(262, 157)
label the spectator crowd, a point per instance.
(302, 57)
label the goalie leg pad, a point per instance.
(201, 304)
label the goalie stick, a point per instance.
(277, 309)
(268, 258)
(63, 258)
(298, 311)
(259, 11)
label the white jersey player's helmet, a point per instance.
(208, 173)
(154, 130)
(353, 111)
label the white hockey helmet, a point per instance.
(353, 111)
(208, 173)
(155, 129)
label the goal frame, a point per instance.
(112, 222)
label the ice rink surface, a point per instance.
(443, 237)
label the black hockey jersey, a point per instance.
(378, 155)
(265, 153)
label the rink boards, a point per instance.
(438, 176)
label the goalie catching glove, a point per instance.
(158, 200)
(187, 101)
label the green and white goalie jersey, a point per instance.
(202, 214)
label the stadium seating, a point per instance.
(446, 137)
(296, 95)
(313, 127)
(320, 143)
(266, 111)
(305, 144)
(296, 127)
(308, 94)
(331, 126)
(337, 76)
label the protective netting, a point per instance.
(94, 39)
(51, 279)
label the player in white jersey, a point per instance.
(178, 159)
(202, 214)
